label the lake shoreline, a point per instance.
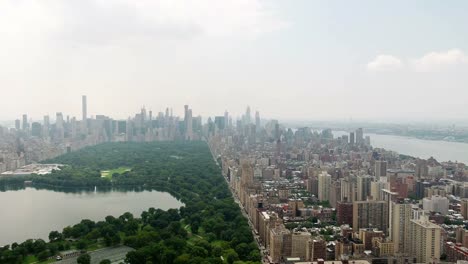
(48, 206)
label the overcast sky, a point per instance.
(307, 59)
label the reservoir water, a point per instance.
(32, 213)
(440, 150)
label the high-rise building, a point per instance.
(25, 122)
(351, 138)
(335, 193)
(312, 185)
(425, 240)
(464, 208)
(220, 122)
(344, 213)
(380, 169)
(376, 189)
(36, 129)
(188, 123)
(363, 187)
(248, 118)
(280, 242)
(17, 124)
(437, 204)
(348, 192)
(461, 236)
(316, 249)
(247, 174)
(367, 235)
(257, 120)
(46, 126)
(226, 119)
(299, 244)
(324, 183)
(84, 108)
(388, 197)
(370, 214)
(59, 126)
(359, 136)
(402, 214)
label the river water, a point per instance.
(32, 213)
(440, 150)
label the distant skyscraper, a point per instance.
(188, 123)
(59, 120)
(376, 189)
(324, 184)
(143, 114)
(17, 124)
(380, 169)
(464, 208)
(46, 126)
(84, 108)
(220, 122)
(257, 120)
(25, 122)
(363, 187)
(351, 138)
(36, 129)
(359, 136)
(84, 118)
(247, 115)
(59, 126)
(226, 119)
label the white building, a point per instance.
(324, 182)
(436, 203)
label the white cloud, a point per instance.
(429, 62)
(385, 62)
(103, 21)
(434, 61)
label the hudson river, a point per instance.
(440, 150)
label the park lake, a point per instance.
(33, 213)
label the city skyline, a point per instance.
(79, 112)
(234, 131)
(24, 119)
(311, 60)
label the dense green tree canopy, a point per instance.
(208, 228)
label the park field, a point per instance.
(108, 173)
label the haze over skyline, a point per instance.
(313, 60)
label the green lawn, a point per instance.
(30, 259)
(108, 173)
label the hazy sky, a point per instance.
(296, 59)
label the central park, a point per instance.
(207, 228)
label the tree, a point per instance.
(105, 261)
(43, 255)
(217, 251)
(243, 250)
(182, 259)
(135, 257)
(81, 244)
(55, 236)
(232, 256)
(84, 259)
